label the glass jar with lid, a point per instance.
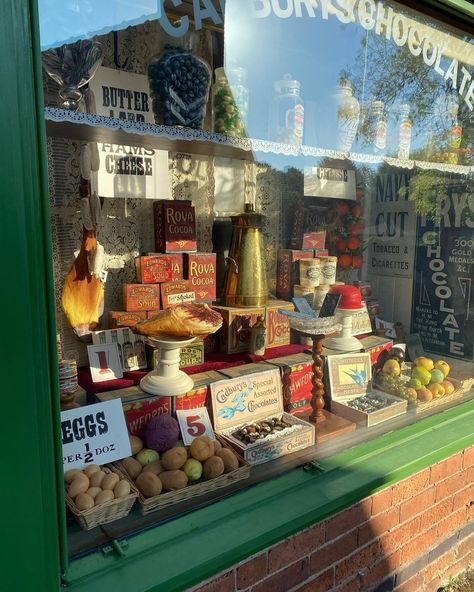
(286, 114)
(348, 115)
(231, 99)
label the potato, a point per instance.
(217, 446)
(231, 462)
(84, 502)
(132, 466)
(70, 475)
(202, 448)
(154, 467)
(213, 467)
(174, 458)
(136, 444)
(104, 496)
(122, 489)
(79, 485)
(91, 469)
(96, 479)
(110, 481)
(149, 484)
(172, 480)
(93, 492)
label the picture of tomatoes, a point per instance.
(357, 211)
(342, 209)
(353, 244)
(357, 261)
(340, 245)
(356, 229)
(359, 194)
(344, 261)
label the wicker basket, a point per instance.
(198, 488)
(108, 512)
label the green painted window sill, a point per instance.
(191, 548)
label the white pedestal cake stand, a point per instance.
(168, 380)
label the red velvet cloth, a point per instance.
(215, 361)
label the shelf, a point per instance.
(87, 127)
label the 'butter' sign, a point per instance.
(95, 434)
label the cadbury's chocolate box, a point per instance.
(200, 270)
(153, 269)
(141, 297)
(175, 226)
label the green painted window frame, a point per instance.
(215, 536)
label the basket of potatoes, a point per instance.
(181, 472)
(98, 495)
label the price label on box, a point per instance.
(194, 423)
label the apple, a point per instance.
(436, 389)
(193, 469)
(436, 376)
(443, 366)
(421, 374)
(448, 387)
(425, 363)
(147, 456)
(415, 383)
(412, 395)
(424, 395)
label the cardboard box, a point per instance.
(122, 318)
(176, 292)
(288, 272)
(320, 253)
(200, 270)
(138, 407)
(314, 240)
(153, 269)
(373, 344)
(278, 324)
(191, 355)
(252, 398)
(236, 327)
(176, 260)
(175, 226)
(197, 396)
(141, 297)
(296, 373)
(244, 369)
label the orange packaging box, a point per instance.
(288, 270)
(122, 318)
(278, 324)
(141, 297)
(296, 373)
(176, 260)
(200, 270)
(176, 293)
(314, 240)
(153, 269)
(175, 226)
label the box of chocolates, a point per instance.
(296, 372)
(141, 297)
(175, 226)
(248, 412)
(176, 292)
(288, 270)
(122, 318)
(200, 270)
(153, 269)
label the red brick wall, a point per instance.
(410, 537)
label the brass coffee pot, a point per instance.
(245, 282)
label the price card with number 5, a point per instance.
(194, 423)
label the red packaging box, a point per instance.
(122, 318)
(176, 260)
(175, 226)
(176, 293)
(153, 269)
(197, 396)
(374, 345)
(288, 270)
(314, 240)
(141, 297)
(296, 372)
(321, 253)
(200, 270)
(278, 324)
(138, 407)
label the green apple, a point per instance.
(437, 376)
(415, 383)
(193, 469)
(147, 456)
(421, 374)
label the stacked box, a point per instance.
(197, 396)
(141, 297)
(200, 270)
(176, 260)
(176, 292)
(288, 270)
(191, 355)
(278, 324)
(153, 269)
(296, 373)
(122, 318)
(175, 226)
(314, 240)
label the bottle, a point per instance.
(348, 115)
(119, 346)
(466, 150)
(286, 114)
(258, 337)
(379, 128)
(454, 133)
(129, 358)
(231, 98)
(404, 137)
(140, 354)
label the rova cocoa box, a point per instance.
(296, 372)
(200, 270)
(314, 240)
(176, 293)
(288, 270)
(176, 260)
(278, 324)
(122, 318)
(175, 226)
(153, 269)
(141, 297)
(236, 327)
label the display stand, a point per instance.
(327, 424)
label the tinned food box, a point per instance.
(288, 270)
(296, 373)
(200, 271)
(123, 318)
(242, 402)
(190, 355)
(176, 261)
(141, 297)
(177, 292)
(175, 226)
(153, 269)
(197, 396)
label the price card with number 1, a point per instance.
(194, 423)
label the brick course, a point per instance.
(410, 537)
